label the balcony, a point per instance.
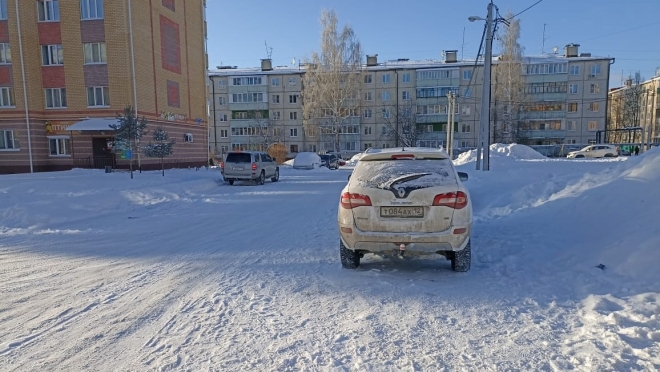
(540, 134)
(542, 115)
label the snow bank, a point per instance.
(513, 151)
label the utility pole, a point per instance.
(484, 117)
(451, 100)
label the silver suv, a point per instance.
(253, 166)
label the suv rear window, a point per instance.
(418, 174)
(238, 157)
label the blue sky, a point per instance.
(627, 30)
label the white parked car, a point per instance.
(408, 201)
(307, 160)
(595, 151)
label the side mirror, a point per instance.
(462, 176)
(349, 177)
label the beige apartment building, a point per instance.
(635, 105)
(69, 67)
(565, 102)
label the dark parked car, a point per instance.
(330, 161)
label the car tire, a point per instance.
(460, 261)
(276, 177)
(579, 156)
(262, 178)
(349, 258)
(609, 155)
(231, 182)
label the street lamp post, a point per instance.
(483, 139)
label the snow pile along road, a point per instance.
(512, 151)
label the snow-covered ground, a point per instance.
(99, 272)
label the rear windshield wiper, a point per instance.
(405, 178)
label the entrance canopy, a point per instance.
(93, 124)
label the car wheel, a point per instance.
(349, 258)
(460, 261)
(609, 155)
(231, 182)
(262, 178)
(579, 156)
(276, 177)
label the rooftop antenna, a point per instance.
(269, 51)
(463, 44)
(543, 41)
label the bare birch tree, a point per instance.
(331, 84)
(267, 130)
(509, 83)
(405, 120)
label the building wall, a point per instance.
(178, 115)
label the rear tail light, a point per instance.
(222, 165)
(254, 166)
(351, 200)
(456, 200)
(402, 156)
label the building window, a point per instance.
(247, 80)
(466, 128)
(7, 140)
(367, 96)
(275, 82)
(293, 148)
(386, 78)
(405, 95)
(385, 96)
(5, 53)
(222, 117)
(405, 78)
(95, 53)
(3, 9)
(593, 126)
(465, 110)
(367, 146)
(467, 74)
(573, 89)
(91, 9)
(594, 88)
(572, 107)
(59, 146)
(367, 130)
(224, 149)
(276, 98)
(293, 98)
(350, 146)
(595, 70)
(385, 113)
(49, 10)
(222, 84)
(545, 68)
(293, 132)
(169, 4)
(293, 115)
(593, 106)
(467, 93)
(247, 97)
(6, 97)
(572, 125)
(223, 133)
(575, 70)
(98, 97)
(52, 55)
(367, 113)
(222, 101)
(276, 115)
(292, 82)
(56, 97)
(367, 79)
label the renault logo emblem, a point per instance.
(402, 192)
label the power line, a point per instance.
(528, 8)
(620, 32)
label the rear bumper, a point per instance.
(239, 177)
(420, 243)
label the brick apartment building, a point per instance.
(67, 69)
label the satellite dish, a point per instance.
(554, 50)
(293, 61)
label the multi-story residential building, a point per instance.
(635, 105)
(64, 62)
(565, 102)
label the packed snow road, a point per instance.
(183, 273)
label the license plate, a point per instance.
(237, 168)
(402, 212)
